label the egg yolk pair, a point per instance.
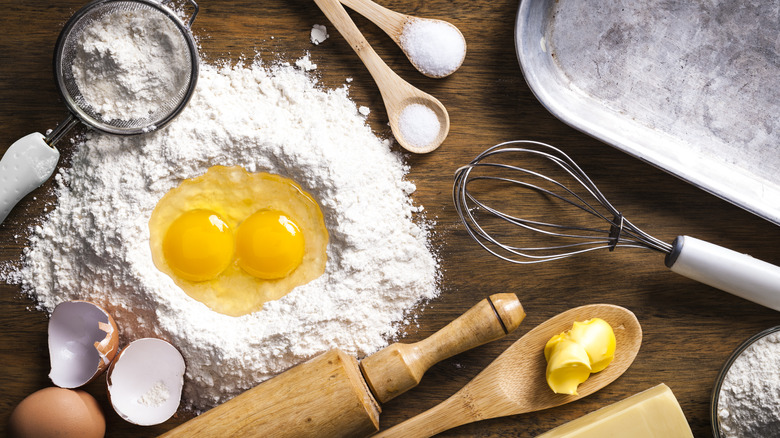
(199, 245)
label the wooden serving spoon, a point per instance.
(393, 23)
(396, 92)
(515, 382)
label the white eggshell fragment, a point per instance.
(83, 339)
(145, 381)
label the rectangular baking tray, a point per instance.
(690, 87)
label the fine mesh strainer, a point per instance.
(31, 160)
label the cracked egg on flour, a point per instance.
(234, 240)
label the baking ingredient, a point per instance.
(419, 125)
(197, 245)
(305, 63)
(274, 227)
(653, 413)
(271, 244)
(597, 338)
(573, 355)
(435, 47)
(567, 365)
(145, 381)
(57, 412)
(319, 33)
(95, 243)
(157, 395)
(130, 63)
(83, 340)
(749, 399)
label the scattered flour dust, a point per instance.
(95, 244)
(318, 34)
(155, 396)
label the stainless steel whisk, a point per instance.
(490, 191)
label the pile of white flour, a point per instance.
(95, 244)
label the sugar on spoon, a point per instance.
(436, 48)
(420, 123)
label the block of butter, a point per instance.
(654, 413)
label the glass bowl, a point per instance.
(724, 371)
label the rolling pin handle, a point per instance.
(400, 367)
(508, 309)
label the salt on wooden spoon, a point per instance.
(419, 121)
(515, 382)
(434, 47)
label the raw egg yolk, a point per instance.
(198, 245)
(269, 245)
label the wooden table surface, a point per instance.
(689, 328)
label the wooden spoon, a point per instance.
(515, 382)
(396, 92)
(393, 24)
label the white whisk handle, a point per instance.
(27, 164)
(733, 272)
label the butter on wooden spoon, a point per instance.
(515, 382)
(435, 48)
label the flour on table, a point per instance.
(319, 33)
(95, 244)
(305, 63)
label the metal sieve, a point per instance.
(31, 160)
(65, 52)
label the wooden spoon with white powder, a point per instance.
(419, 121)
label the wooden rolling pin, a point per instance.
(327, 396)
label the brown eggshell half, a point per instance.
(83, 340)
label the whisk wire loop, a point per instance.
(491, 168)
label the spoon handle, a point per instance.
(450, 413)
(338, 16)
(396, 93)
(391, 22)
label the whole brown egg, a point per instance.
(57, 412)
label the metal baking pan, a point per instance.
(690, 87)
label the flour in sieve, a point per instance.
(95, 244)
(129, 63)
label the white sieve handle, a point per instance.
(27, 164)
(733, 272)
